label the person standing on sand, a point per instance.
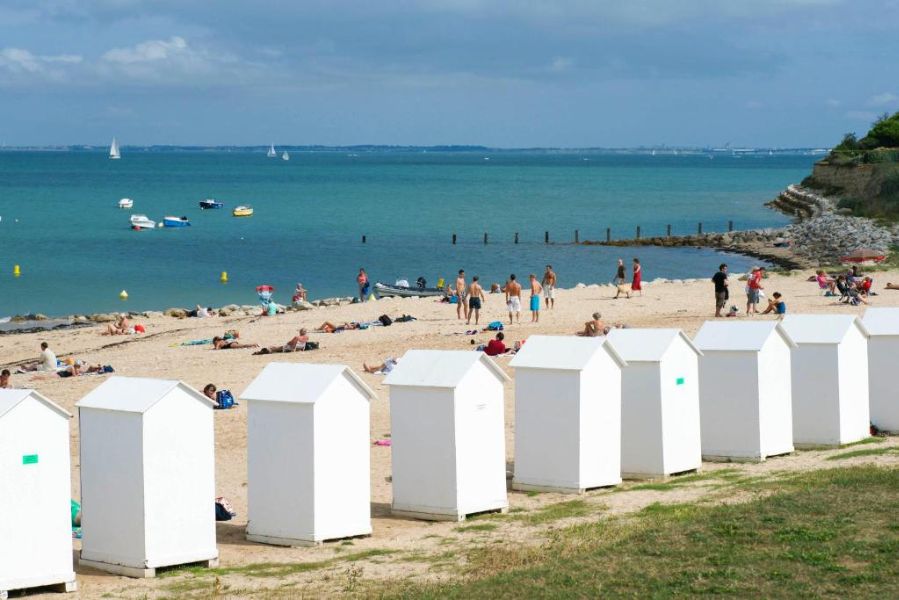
(721, 292)
(513, 298)
(619, 273)
(637, 285)
(536, 288)
(362, 282)
(549, 287)
(753, 290)
(475, 300)
(461, 296)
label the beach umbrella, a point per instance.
(864, 254)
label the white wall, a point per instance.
(682, 445)
(342, 456)
(35, 525)
(280, 472)
(854, 410)
(179, 472)
(481, 444)
(112, 486)
(775, 397)
(641, 419)
(729, 402)
(548, 427)
(600, 422)
(423, 449)
(815, 395)
(882, 381)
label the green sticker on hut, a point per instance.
(29, 459)
(680, 381)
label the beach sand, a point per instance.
(683, 304)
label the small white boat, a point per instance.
(139, 222)
(114, 153)
(126, 203)
(285, 156)
(271, 152)
(243, 211)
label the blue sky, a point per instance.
(511, 73)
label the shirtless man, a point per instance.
(476, 299)
(513, 298)
(536, 288)
(461, 292)
(549, 287)
(594, 328)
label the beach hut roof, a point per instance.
(739, 335)
(821, 329)
(882, 321)
(646, 345)
(439, 368)
(567, 353)
(301, 383)
(135, 394)
(9, 399)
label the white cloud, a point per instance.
(884, 99)
(150, 51)
(20, 65)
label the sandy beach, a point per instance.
(158, 353)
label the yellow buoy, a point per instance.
(123, 295)
(16, 271)
(224, 277)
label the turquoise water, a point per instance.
(76, 251)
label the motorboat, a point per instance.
(175, 222)
(243, 211)
(406, 291)
(142, 222)
(126, 203)
(210, 203)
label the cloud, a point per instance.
(20, 65)
(151, 51)
(884, 99)
(861, 115)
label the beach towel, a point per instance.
(495, 326)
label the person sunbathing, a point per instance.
(328, 327)
(383, 369)
(891, 286)
(296, 344)
(595, 327)
(219, 343)
(77, 368)
(121, 326)
(776, 305)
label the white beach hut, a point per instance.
(448, 450)
(659, 402)
(830, 379)
(35, 493)
(308, 454)
(744, 389)
(883, 348)
(567, 414)
(147, 476)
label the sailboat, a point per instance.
(271, 152)
(285, 156)
(114, 150)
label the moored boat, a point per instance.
(139, 222)
(175, 222)
(126, 203)
(386, 289)
(243, 211)
(210, 203)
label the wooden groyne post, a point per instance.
(668, 233)
(638, 232)
(516, 237)
(363, 239)
(454, 239)
(485, 238)
(730, 226)
(577, 236)
(545, 237)
(699, 230)
(608, 234)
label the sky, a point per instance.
(501, 73)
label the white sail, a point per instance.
(271, 151)
(114, 150)
(285, 156)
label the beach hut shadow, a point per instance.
(228, 532)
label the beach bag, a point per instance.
(311, 346)
(495, 326)
(223, 509)
(385, 320)
(224, 399)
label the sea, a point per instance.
(59, 220)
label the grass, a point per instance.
(682, 480)
(824, 534)
(559, 510)
(865, 452)
(477, 527)
(867, 440)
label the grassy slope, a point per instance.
(825, 534)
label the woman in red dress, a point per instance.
(637, 285)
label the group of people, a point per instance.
(470, 298)
(49, 364)
(852, 287)
(754, 292)
(621, 279)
